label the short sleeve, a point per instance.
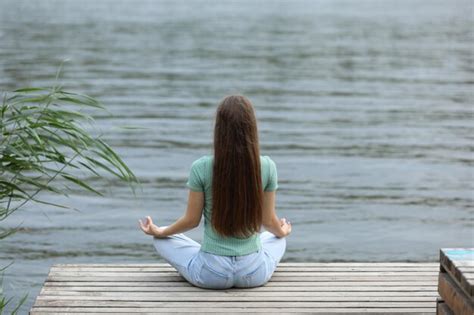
(195, 182)
(272, 183)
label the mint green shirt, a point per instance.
(200, 179)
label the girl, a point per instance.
(235, 191)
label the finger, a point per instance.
(144, 227)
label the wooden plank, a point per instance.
(468, 276)
(127, 296)
(466, 268)
(275, 278)
(279, 269)
(234, 310)
(367, 267)
(298, 265)
(453, 296)
(384, 274)
(206, 305)
(103, 291)
(427, 284)
(466, 263)
(271, 290)
(451, 259)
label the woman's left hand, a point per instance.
(151, 229)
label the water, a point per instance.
(365, 106)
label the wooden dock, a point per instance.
(384, 288)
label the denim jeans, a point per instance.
(211, 271)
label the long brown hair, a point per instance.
(237, 192)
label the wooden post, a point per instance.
(455, 281)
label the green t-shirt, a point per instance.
(200, 179)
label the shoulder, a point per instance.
(267, 160)
(201, 161)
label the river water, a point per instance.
(365, 106)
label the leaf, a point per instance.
(20, 303)
(103, 166)
(55, 205)
(90, 169)
(5, 267)
(30, 89)
(12, 186)
(34, 99)
(129, 173)
(7, 233)
(81, 183)
(81, 101)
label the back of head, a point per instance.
(237, 192)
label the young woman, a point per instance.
(235, 190)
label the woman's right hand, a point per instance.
(285, 226)
(151, 229)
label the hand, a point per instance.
(285, 226)
(151, 229)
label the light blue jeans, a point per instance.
(211, 271)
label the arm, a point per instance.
(188, 221)
(271, 222)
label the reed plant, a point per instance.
(48, 144)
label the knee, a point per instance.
(282, 245)
(160, 243)
(266, 234)
(272, 238)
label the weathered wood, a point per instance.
(451, 259)
(270, 287)
(236, 293)
(280, 269)
(153, 297)
(300, 281)
(218, 310)
(275, 278)
(429, 284)
(453, 296)
(442, 308)
(74, 273)
(254, 304)
(298, 264)
(336, 288)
